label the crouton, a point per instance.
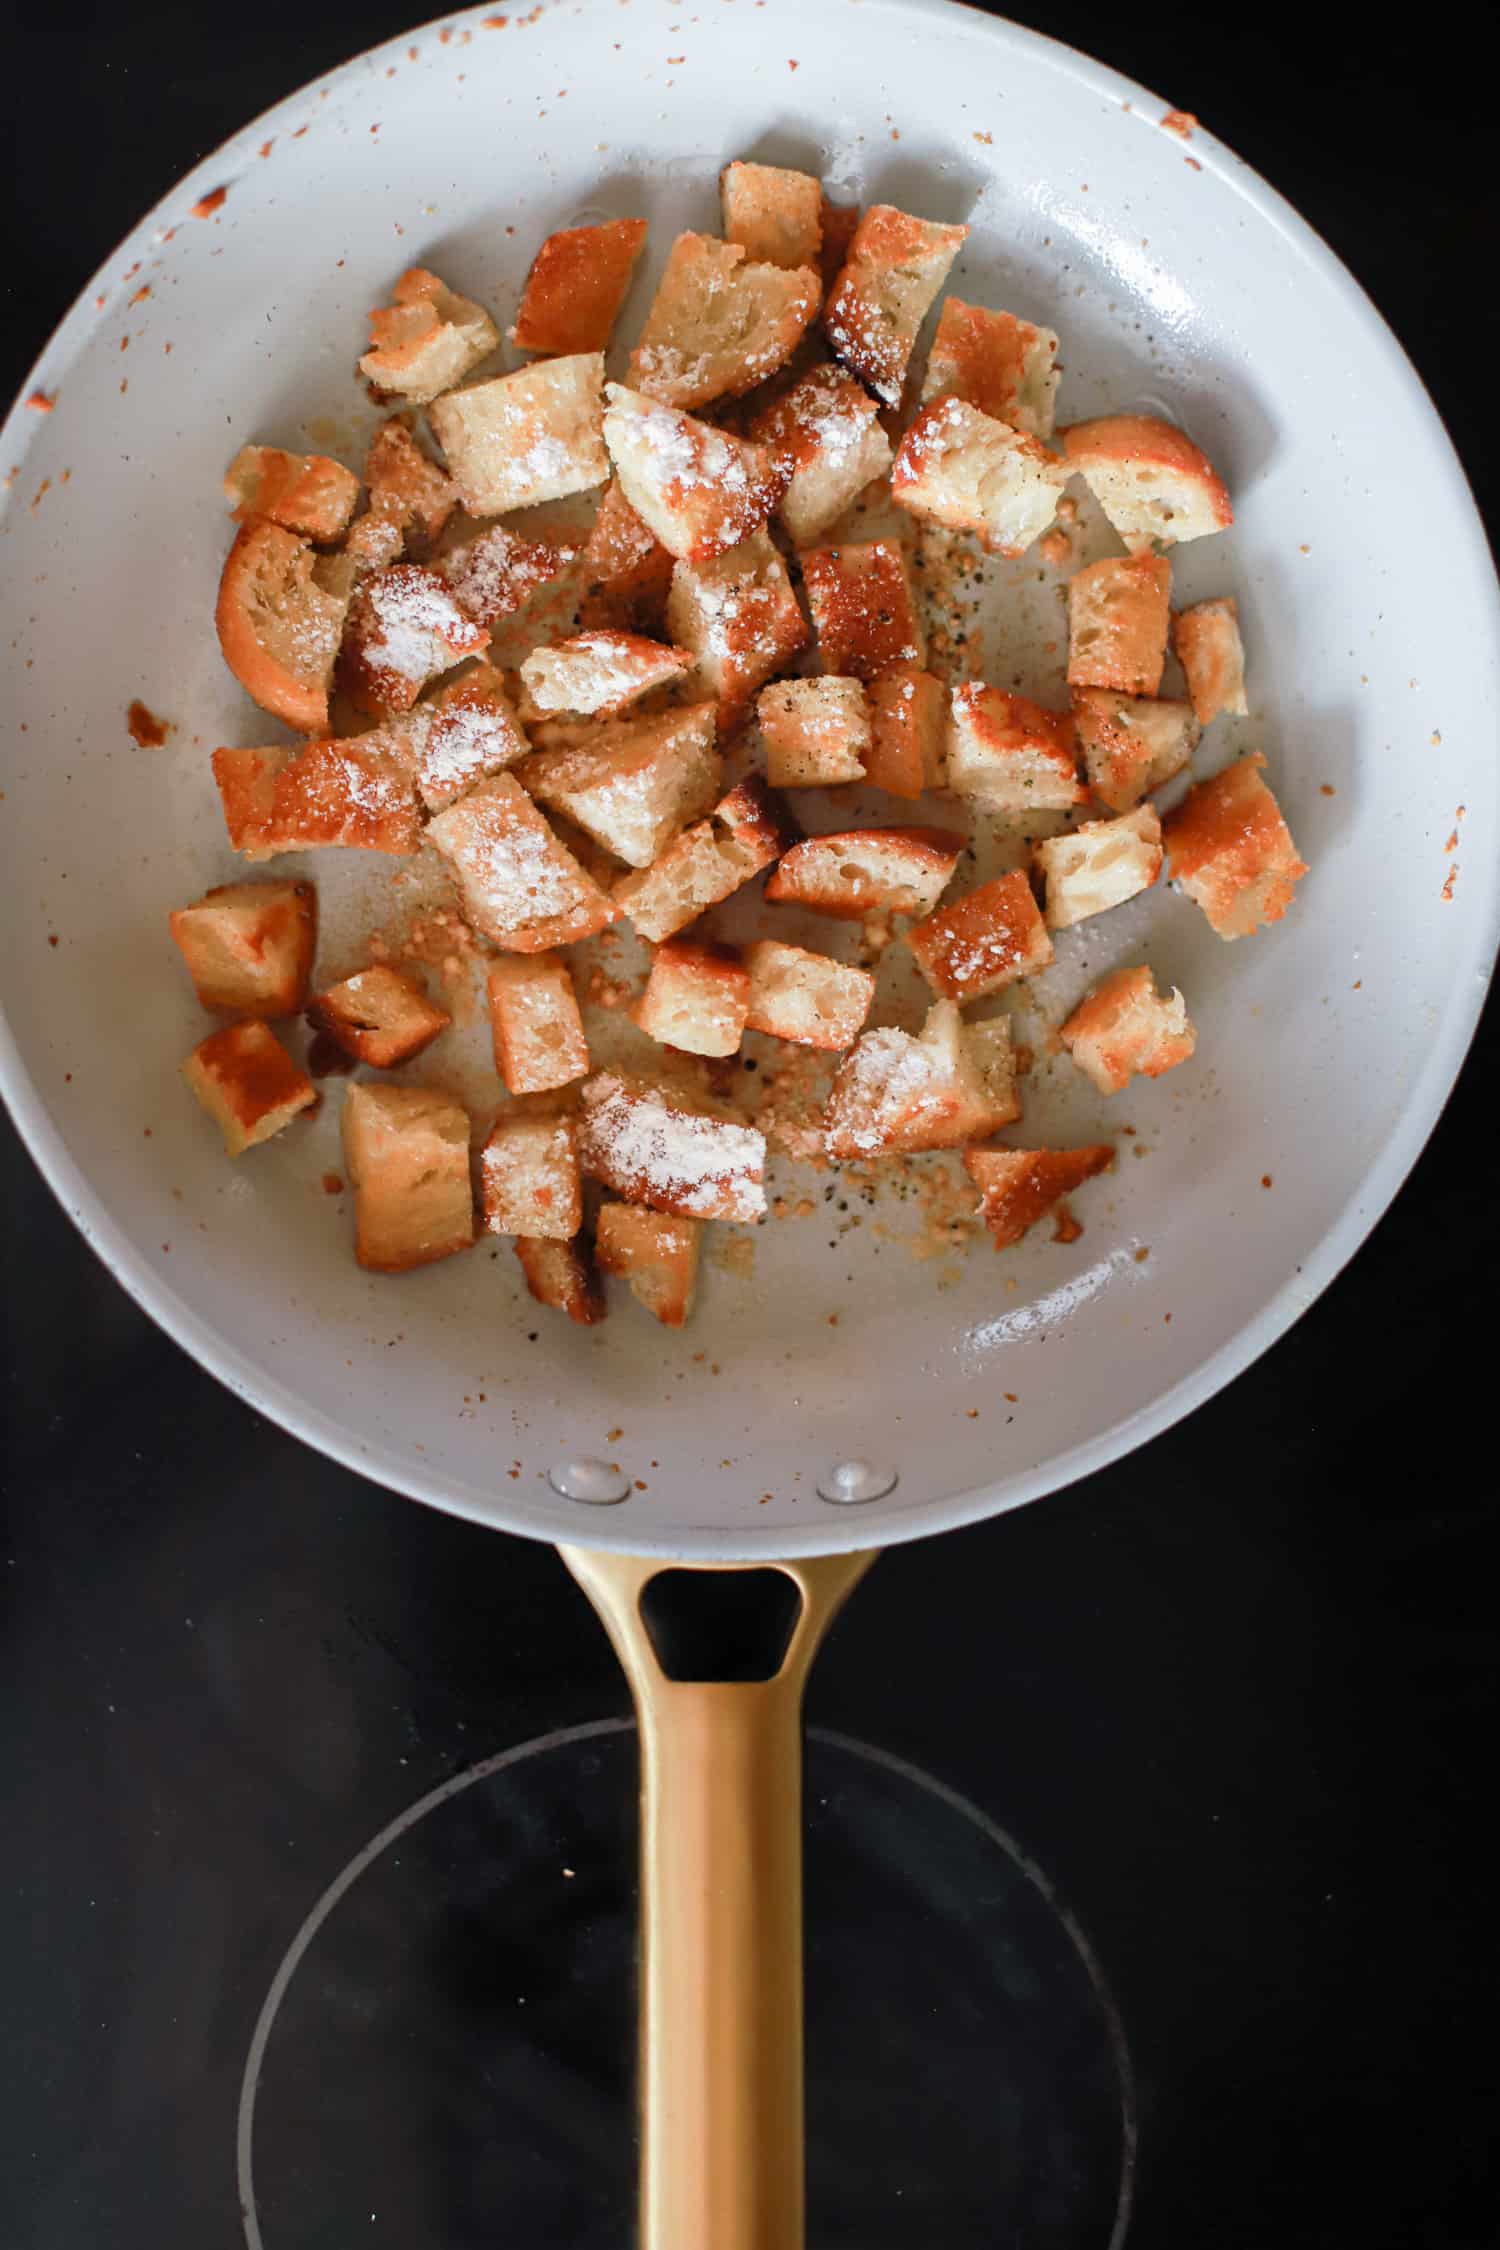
(1017, 1186)
(279, 627)
(740, 619)
(496, 574)
(696, 998)
(466, 731)
(648, 1146)
(656, 1254)
(839, 224)
(908, 725)
(1125, 1028)
(426, 339)
(868, 871)
(536, 1024)
(1004, 366)
(578, 281)
(381, 1016)
(804, 997)
(1009, 754)
(561, 1276)
(406, 1150)
(707, 863)
(1100, 865)
(520, 886)
(635, 782)
(774, 215)
(826, 432)
(1117, 624)
(958, 467)
(816, 732)
(248, 1083)
(520, 439)
(249, 946)
(404, 629)
(953, 1083)
(1131, 744)
(626, 569)
(1206, 639)
(1150, 479)
(304, 492)
(698, 489)
(1231, 851)
(895, 267)
(600, 672)
(983, 941)
(863, 608)
(719, 323)
(356, 793)
(405, 486)
(529, 1179)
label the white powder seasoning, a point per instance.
(510, 868)
(651, 1151)
(409, 624)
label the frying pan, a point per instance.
(851, 1392)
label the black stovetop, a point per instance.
(1236, 1696)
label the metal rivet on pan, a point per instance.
(599, 1483)
(848, 1483)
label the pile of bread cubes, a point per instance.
(588, 785)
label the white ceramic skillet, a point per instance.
(1179, 281)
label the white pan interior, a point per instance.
(1326, 1045)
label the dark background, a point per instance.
(1237, 1693)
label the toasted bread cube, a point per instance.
(426, 339)
(356, 793)
(520, 439)
(381, 1016)
(627, 571)
(636, 782)
(908, 728)
(1125, 1028)
(406, 1150)
(306, 492)
(863, 608)
(774, 215)
(648, 1146)
(405, 486)
(1117, 623)
(248, 1083)
(578, 281)
(404, 629)
(656, 1254)
(529, 1179)
(1150, 479)
(868, 871)
(983, 941)
(279, 627)
(958, 467)
(465, 732)
(699, 490)
(895, 267)
(1231, 851)
(1206, 639)
(561, 1276)
(535, 1020)
(496, 574)
(696, 998)
(707, 863)
(740, 619)
(953, 1083)
(719, 323)
(1131, 744)
(1099, 865)
(1004, 366)
(600, 672)
(1017, 1186)
(1009, 754)
(826, 431)
(805, 997)
(816, 732)
(249, 946)
(520, 886)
